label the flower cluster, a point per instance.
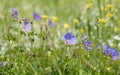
(70, 38)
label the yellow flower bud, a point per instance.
(89, 5)
(109, 15)
(21, 21)
(54, 19)
(116, 29)
(66, 25)
(108, 68)
(82, 30)
(102, 20)
(110, 6)
(44, 17)
(75, 21)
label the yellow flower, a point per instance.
(82, 30)
(113, 45)
(44, 16)
(75, 21)
(66, 25)
(108, 68)
(21, 21)
(89, 5)
(102, 20)
(116, 29)
(54, 19)
(103, 9)
(109, 15)
(110, 6)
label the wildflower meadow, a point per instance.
(59, 37)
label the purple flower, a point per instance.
(111, 52)
(88, 45)
(15, 13)
(50, 22)
(70, 38)
(27, 25)
(84, 38)
(36, 16)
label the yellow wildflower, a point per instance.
(102, 20)
(66, 25)
(75, 21)
(116, 29)
(113, 45)
(21, 21)
(54, 19)
(89, 5)
(103, 9)
(108, 68)
(82, 30)
(109, 15)
(110, 6)
(44, 16)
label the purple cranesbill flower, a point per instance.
(51, 23)
(15, 13)
(111, 52)
(70, 38)
(84, 38)
(27, 25)
(36, 16)
(88, 45)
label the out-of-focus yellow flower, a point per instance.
(110, 6)
(82, 30)
(75, 21)
(54, 19)
(89, 5)
(114, 45)
(102, 20)
(44, 17)
(109, 15)
(21, 21)
(66, 25)
(103, 9)
(108, 68)
(116, 29)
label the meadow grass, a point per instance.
(44, 50)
